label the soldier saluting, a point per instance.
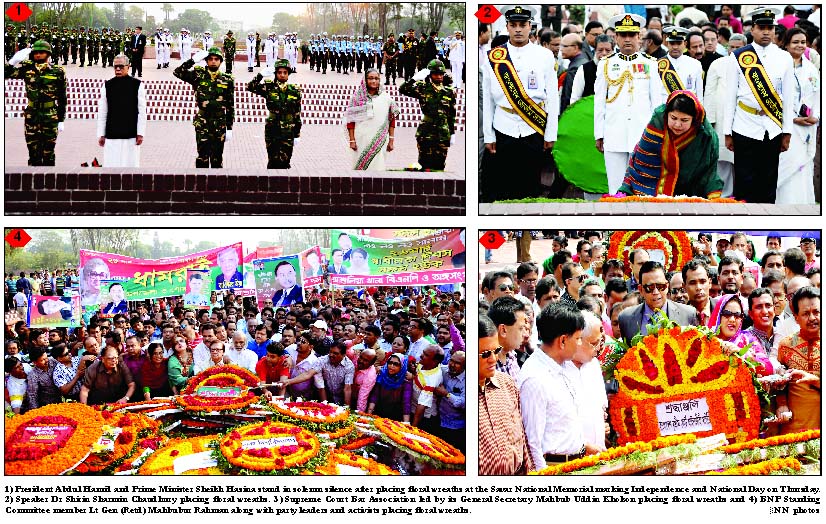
(759, 116)
(215, 98)
(438, 103)
(46, 93)
(283, 125)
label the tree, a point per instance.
(196, 20)
(456, 15)
(167, 8)
(134, 16)
(119, 16)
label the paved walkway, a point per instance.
(171, 144)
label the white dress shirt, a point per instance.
(690, 71)
(779, 67)
(246, 358)
(592, 401)
(549, 408)
(535, 67)
(621, 123)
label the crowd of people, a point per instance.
(677, 106)
(398, 352)
(122, 106)
(544, 331)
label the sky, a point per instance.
(251, 14)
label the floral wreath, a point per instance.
(124, 429)
(162, 461)
(675, 244)
(804, 443)
(666, 199)
(338, 458)
(78, 427)
(683, 365)
(777, 466)
(144, 448)
(226, 376)
(264, 454)
(322, 415)
(436, 451)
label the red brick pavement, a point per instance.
(172, 144)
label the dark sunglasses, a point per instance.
(649, 288)
(484, 355)
(505, 287)
(118, 66)
(735, 314)
(675, 290)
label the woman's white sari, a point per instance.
(795, 182)
(372, 116)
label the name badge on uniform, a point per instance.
(532, 82)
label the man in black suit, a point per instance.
(137, 45)
(289, 293)
(654, 290)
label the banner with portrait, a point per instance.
(312, 267)
(440, 256)
(278, 279)
(150, 279)
(197, 288)
(112, 299)
(54, 311)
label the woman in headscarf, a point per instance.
(677, 154)
(371, 123)
(728, 318)
(391, 396)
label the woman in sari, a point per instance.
(677, 154)
(728, 318)
(371, 123)
(795, 183)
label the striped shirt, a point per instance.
(503, 448)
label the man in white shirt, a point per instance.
(457, 58)
(548, 396)
(185, 45)
(589, 387)
(520, 123)
(758, 129)
(238, 353)
(679, 71)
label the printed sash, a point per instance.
(760, 83)
(522, 104)
(671, 80)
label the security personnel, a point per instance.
(257, 49)
(66, 40)
(229, 51)
(283, 127)
(215, 98)
(626, 92)
(409, 54)
(46, 93)
(390, 53)
(677, 70)
(520, 125)
(438, 103)
(82, 44)
(323, 53)
(207, 40)
(759, 109)
(251, 47)
(378, 53)
(9, 41)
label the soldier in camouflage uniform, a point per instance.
(390, 53)
(46, 110)
(283, 125)
(229, 51)
(82, 44)
(67, 40)
(438, 102)
(215, 98)
(9, 41)
(73, 41)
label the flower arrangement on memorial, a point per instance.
(675, 245)
(805, 444)
(777, 466)
(666, 199)
(313, 415)
(50, 440)
(224, 388)
(268, 448)
(639, 455)
(145, 447)
(348, 463)
(678, 380)
(121, 432)
(358, 443)
(340, 436)
(423, 446)
(163, 461)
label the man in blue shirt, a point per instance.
(451, 395)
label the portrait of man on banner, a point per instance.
(311, 262)
(279, 279)
(229, 276)
(113, 301)
(195, 283)
(290, 292)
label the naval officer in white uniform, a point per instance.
(626, 92)
(689, 70)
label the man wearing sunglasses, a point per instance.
(121, 117)
(497, 284)
(654, 290)
(572, 277)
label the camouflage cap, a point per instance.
(436, 66)
(283, 63)
(214, 50)
(42, 45)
